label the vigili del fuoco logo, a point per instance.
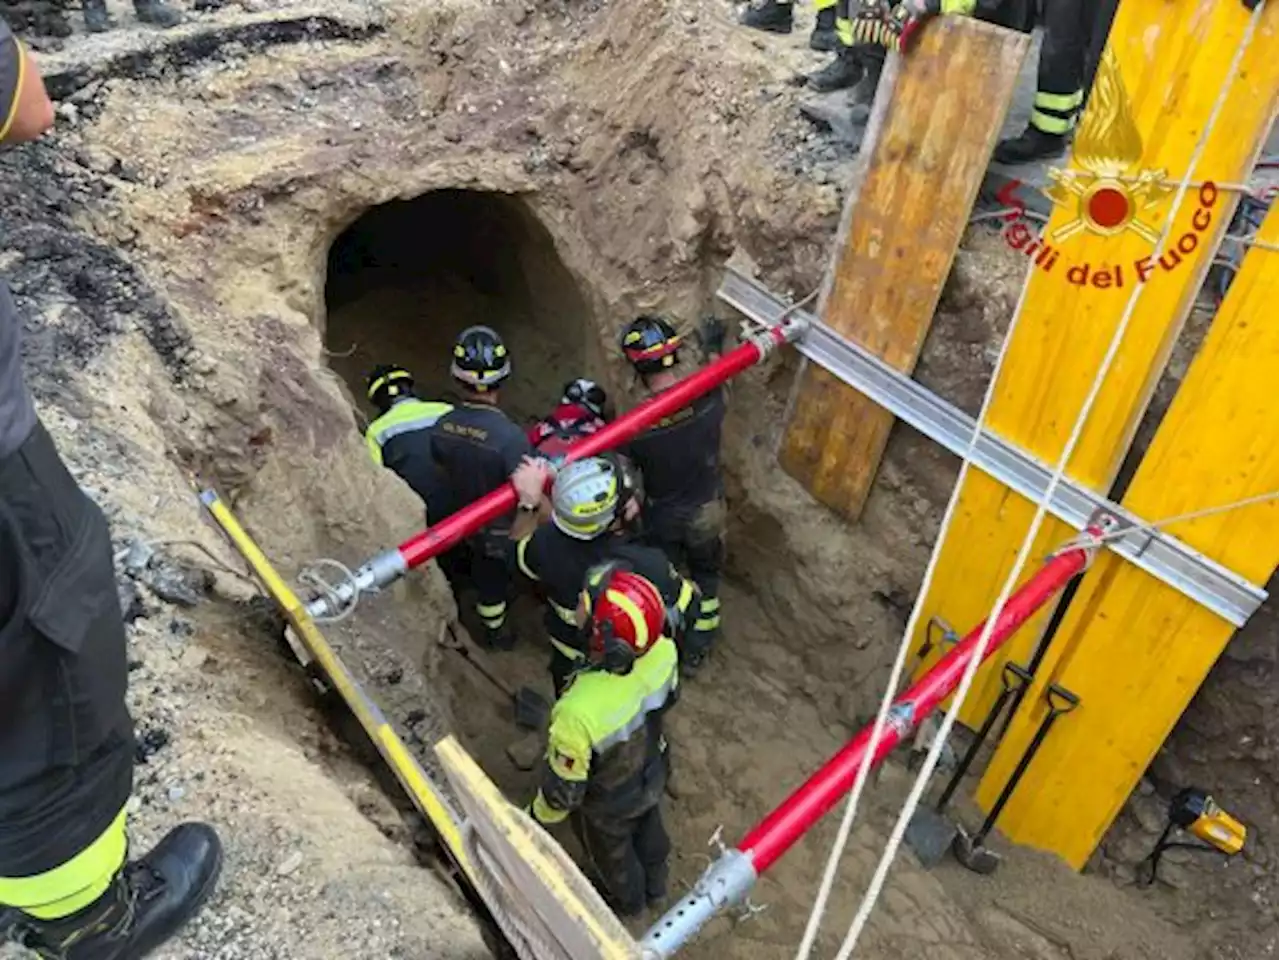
(1109, 194)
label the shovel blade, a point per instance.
(532, 709)
(974, 856)
(930, 835)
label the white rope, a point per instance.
(1154, 525)
(971, 668)
(899, 663)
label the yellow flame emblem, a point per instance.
(1109, 191)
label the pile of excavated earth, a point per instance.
(551, 169)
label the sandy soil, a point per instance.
(170, 247)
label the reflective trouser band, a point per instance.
(492, 614)
(824, 4)
(71, 886)
(708, 615)
(543, 812)
(844, 31)
(1056, 112)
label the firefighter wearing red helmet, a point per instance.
(582, 410)
(604, 751)
(679, 460)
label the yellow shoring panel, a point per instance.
(430, 803)
(1172, 60)
(1133, 649)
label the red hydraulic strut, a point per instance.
(729, 879)
(417, 550)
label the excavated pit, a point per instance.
(569, 166)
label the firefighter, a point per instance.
(157, 13)
(1075, 32)
(776, 16)
(679, 462)
(592, 502)
(604, 748)
(400, 440)
(477, 448)
(855, 65)
(581, 412)
(67, 887)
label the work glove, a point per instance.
(711, 334)
(902, 20)
(871, 24)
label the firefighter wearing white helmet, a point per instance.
(592, 502)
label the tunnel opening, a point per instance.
(408, 276)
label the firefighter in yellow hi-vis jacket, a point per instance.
(605, 757)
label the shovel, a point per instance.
(930, 834)
(530, 707)
(970, 851)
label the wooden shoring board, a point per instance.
(538, 871)
(1172, 60)
(928, 143)
(1133, 649)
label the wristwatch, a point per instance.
(527, 507)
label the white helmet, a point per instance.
(584, 499)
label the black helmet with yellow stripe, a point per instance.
(480, 359)
(386, 384)
(650, 344)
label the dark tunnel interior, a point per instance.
(407, 276)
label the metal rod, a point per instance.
(781, 829)
(389, 566)
(1166, 558)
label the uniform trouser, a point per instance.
(1075, 32)
(455, 563)
(695, 541)
(491, 577)
(630, 852)
(66, 737)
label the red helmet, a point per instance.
(625, 616)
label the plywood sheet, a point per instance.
(927, 147)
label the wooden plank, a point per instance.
(563, 909)
(927, 147)
(1133, 649)
(1171, 60)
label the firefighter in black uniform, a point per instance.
(478, 448)
(591, 502)
(1075, 32)
(400, 440)
(679, 461)
(67, 889)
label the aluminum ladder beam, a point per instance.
(1164, 557)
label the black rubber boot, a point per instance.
(146, 904)
(157, 13)
(863, 94)
(824, 36)
(770, 16)
(841, 73)
(96, 18)
(1030, 145)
